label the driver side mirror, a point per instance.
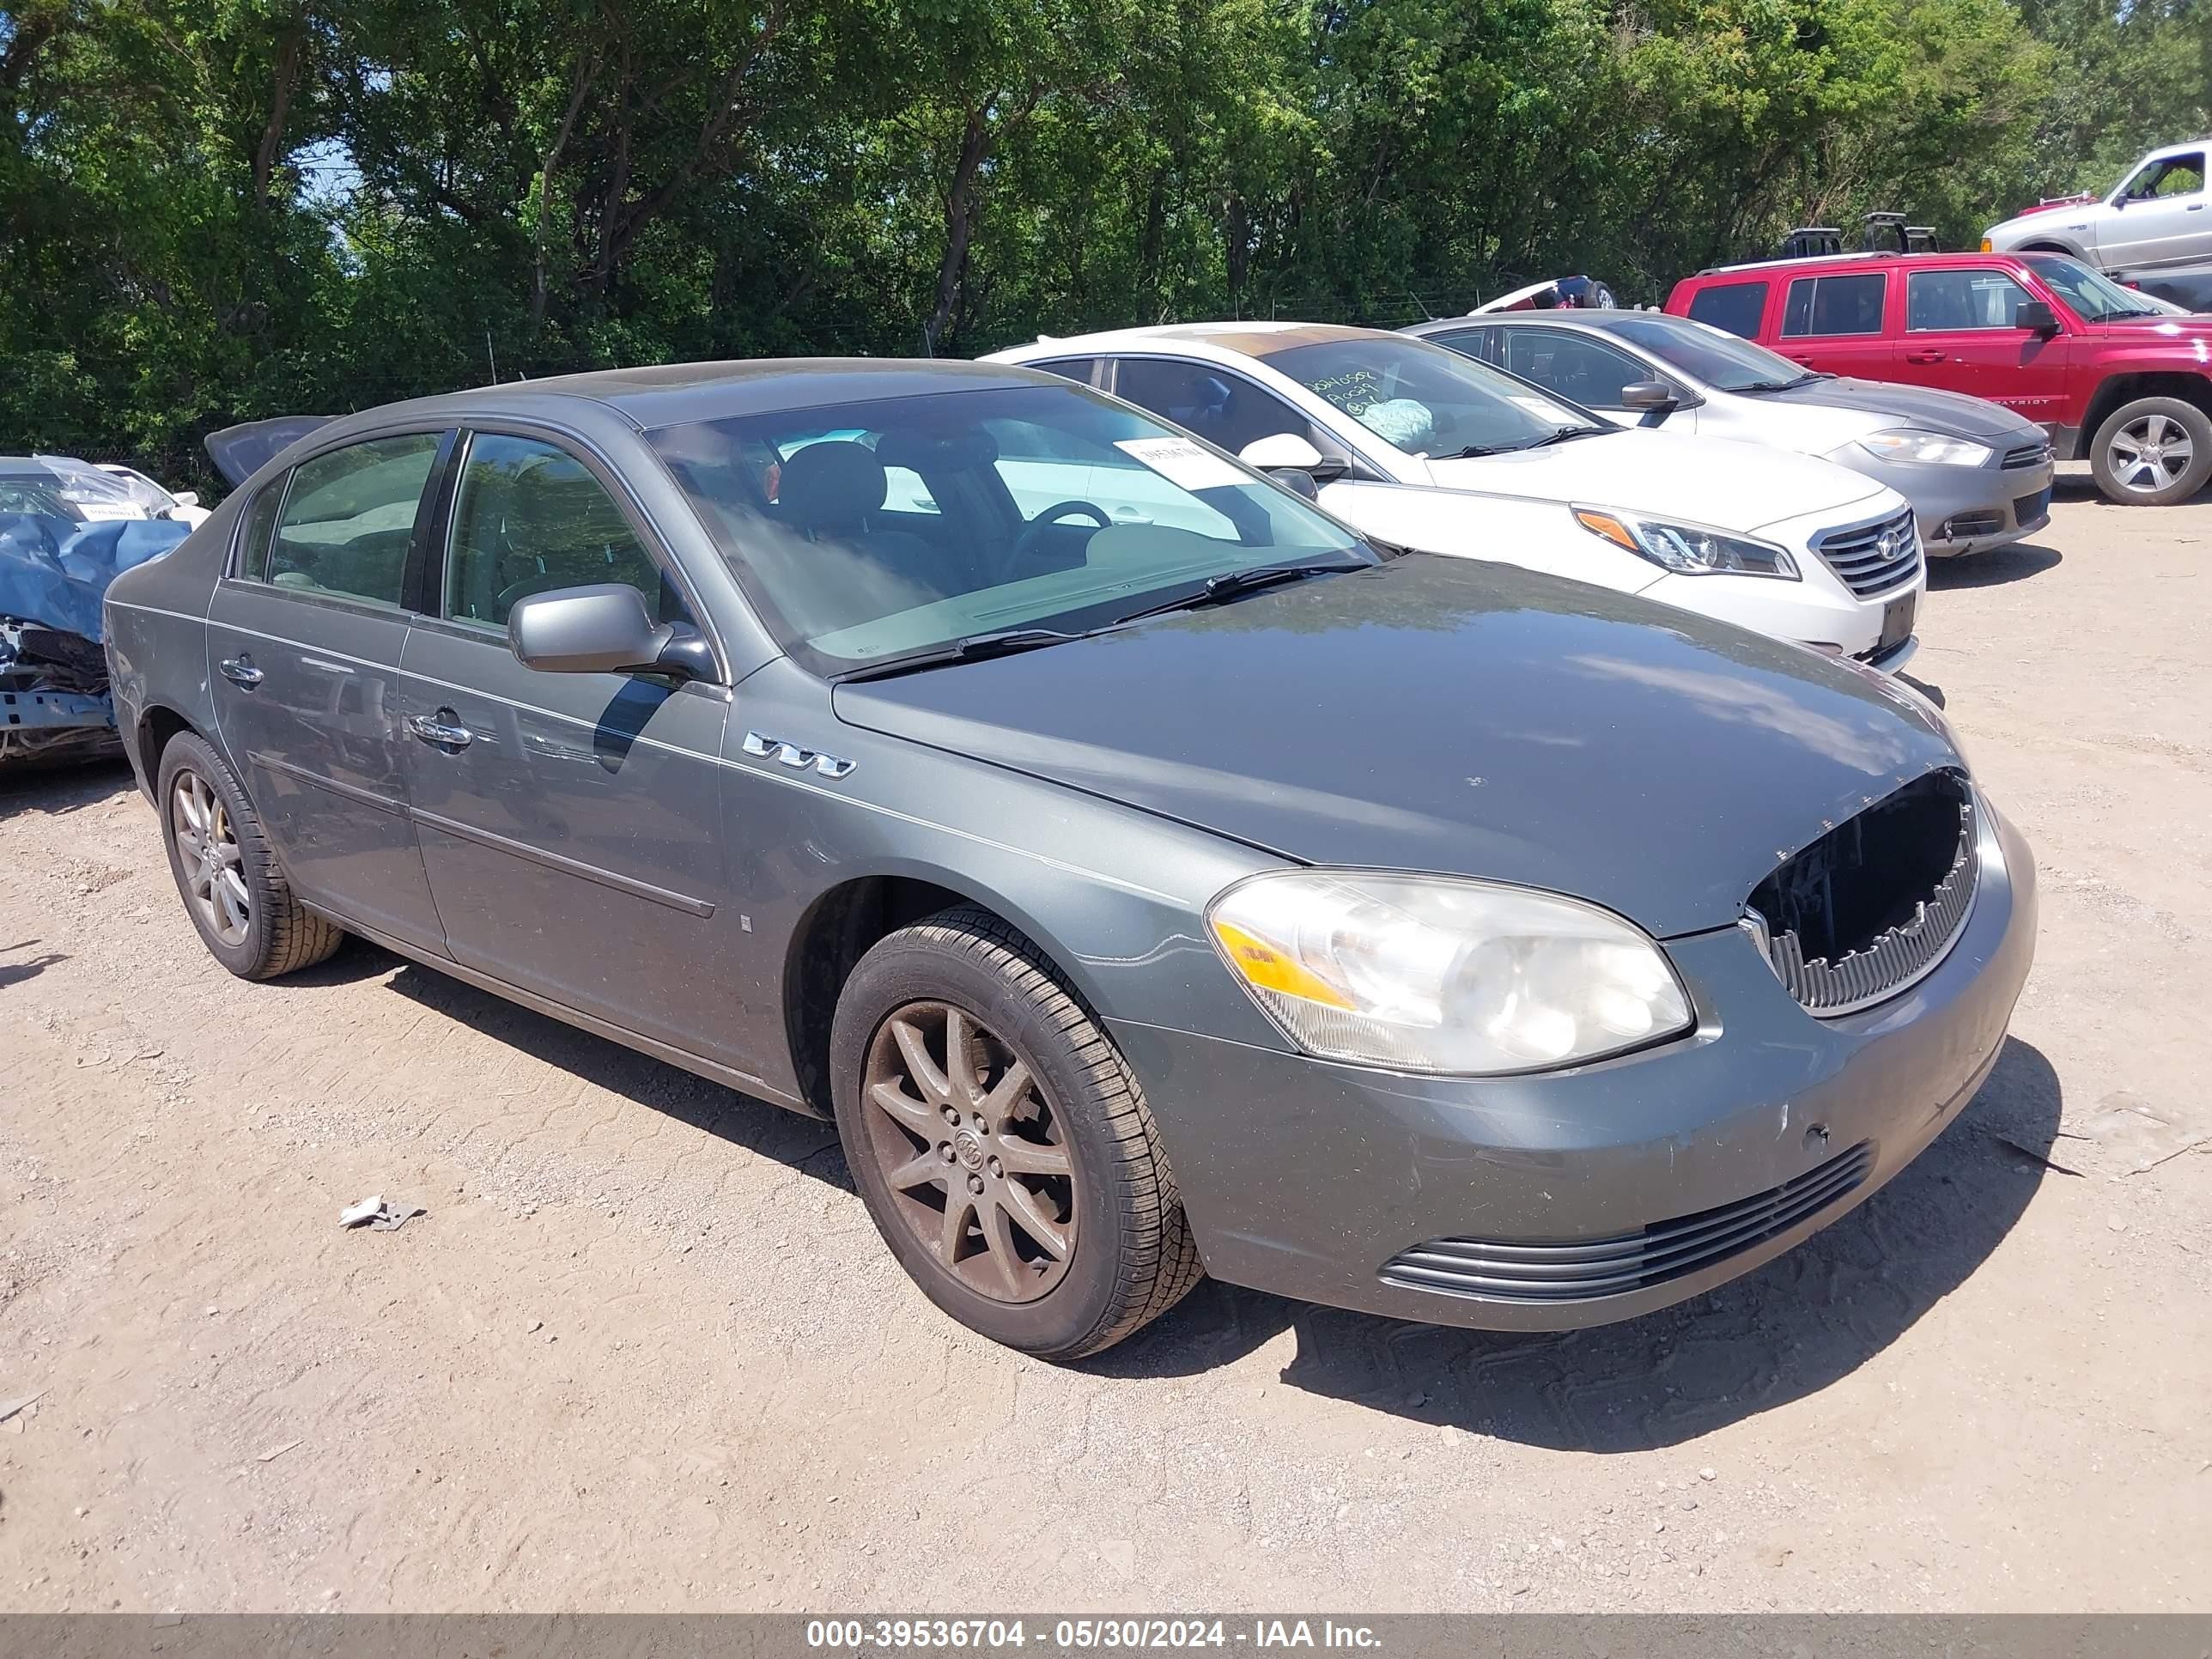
(2036, 316)
(1656, 398)
(603, 629)
(186, 498)
(1288, 457)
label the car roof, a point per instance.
(24, 466)
(2166, 152)
(669, 394)
(1813, 262)
(1244, 339)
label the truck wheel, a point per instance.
(2152, 452)
(232, 887)
(1001, 1144)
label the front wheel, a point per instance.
(2153, 452)
(1001, 1144)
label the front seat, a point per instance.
(834, 491)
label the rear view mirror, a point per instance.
(1656, 398)
(2036, 316)
(602, 630)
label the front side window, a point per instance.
(1835, 305)
(528, 518)
(348, 517)
(1572, 365)
(1426, 401)
(1050, 507)
(2173, 175)
(1940, 300)
(1222, 408)
(1736, 306)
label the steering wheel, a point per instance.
(1025, 543)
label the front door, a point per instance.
(1960, 335)
(569, 822)
(304, 642)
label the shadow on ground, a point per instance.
(62, 788)
(806, 1144)
(2016, 563)
(1785, 1332)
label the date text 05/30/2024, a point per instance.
(1067, 1635)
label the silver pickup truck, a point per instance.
(2154, 230)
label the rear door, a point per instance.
(305, 636)
(1834, 322)
(568, 822)
(1960, 335)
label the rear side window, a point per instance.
(1941, 300)
(1738, 307)
(256, 524)
(1834, 305)
(349, 517)
(529, 518)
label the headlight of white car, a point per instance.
(1440, 973)
(1907, 443)
(1688, 549)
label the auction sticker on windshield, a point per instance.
(1182, 462)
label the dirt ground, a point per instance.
(645, 1351)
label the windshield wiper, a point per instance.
(1561, 435)
(972, 648)
(1230, 584)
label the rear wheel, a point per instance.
(1001, 1145)
(2153, 452)
(231, 886)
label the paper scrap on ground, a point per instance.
(374, 1212)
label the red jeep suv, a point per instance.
(2118, 379)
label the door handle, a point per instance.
(443, 728)
(1923, 357)
(239, 671)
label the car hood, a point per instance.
(1451, 715)
(1953, 413)
(1714, 481)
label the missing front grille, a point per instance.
(1870, 874)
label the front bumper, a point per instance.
(1307, 1179)
(1964, 509)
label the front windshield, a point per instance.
(866, 531)
(1725, 361)
(2095, 298)
(40, 494)
(1428, 401)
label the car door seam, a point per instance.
(566, 866)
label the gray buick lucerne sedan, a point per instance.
(1150, 876)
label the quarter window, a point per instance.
(1738, 308)
(1947, 300)
(1077, 369)
(1834, 305)
(349, 517)
(529, 518)
(256, 526)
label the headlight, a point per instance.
(1435, 973)
(1688, 549)
(1907, 443)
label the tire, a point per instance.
(1128, 1255)
(275, 933)
(2152, 452)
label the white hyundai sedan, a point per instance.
(1419, 446)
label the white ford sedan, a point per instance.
(1419, 446)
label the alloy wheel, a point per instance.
(2149, 452)
(974, 1155)
(209, 858)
